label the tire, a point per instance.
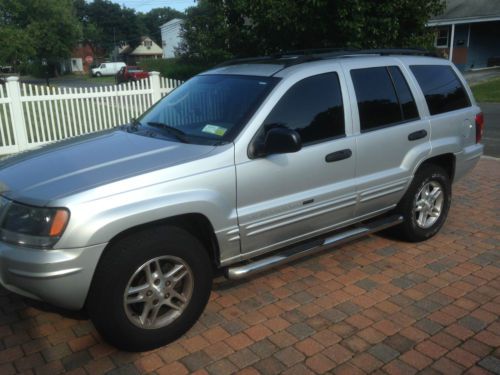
(98, 74)
(119, 312)
(415, 227)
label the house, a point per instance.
(468, 33)
(171, 37)
(82, 57)
(147, 49)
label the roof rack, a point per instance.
(289, 58)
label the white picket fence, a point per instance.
(32, 115)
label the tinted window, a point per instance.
(313, 107)
(442, 89)
(405, 97)
(377, 101)
(211, 107)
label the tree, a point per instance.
(205, 32)
(151, 21)
(256, 27)
(107, 24)
(17, 45)
(44, 29)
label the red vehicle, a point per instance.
(131, 74)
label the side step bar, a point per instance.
(240, 272)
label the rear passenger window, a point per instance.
(383, 98)
(312, 107)
(405, 96)
(442, 89)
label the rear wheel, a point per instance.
(425, 205)
(150, 288)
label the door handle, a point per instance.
(338, 155)
(417, 135)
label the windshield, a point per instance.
(210, 108)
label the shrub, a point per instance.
(174, 68)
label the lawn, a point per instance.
(487, 91)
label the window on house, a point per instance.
(148, 43)
(442, 36)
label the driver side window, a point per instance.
(313, 108)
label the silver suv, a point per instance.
(242, 168)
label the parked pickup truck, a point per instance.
(242, 168)
(131, 74)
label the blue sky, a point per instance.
(146, 5)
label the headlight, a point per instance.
(31, 226)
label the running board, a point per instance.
(240, 272)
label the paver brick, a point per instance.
(416, 359)
(373, 306)
(491, 364)
(289, 356)
(397, 367)
(448, 367)
(174, 368)
(309, 347)
(338, 353)
(383, 352)
(431, 349)
(263, 348)
(463, 357)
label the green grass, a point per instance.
(487, 91)
(105, 79)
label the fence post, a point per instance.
(154, 80)
(17, 113)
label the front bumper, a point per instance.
(60, 277)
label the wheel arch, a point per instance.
(446, 161)
(196, 224)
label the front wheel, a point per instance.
(425, 205)
(149, 289)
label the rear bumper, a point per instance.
(467, 159)
(59, 277)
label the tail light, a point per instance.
(479, 126)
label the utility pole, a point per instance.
(114, 45)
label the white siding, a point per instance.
(170, 37)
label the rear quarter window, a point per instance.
(442, 89)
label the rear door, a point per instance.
(391, 135)
(286, 198)
(452, 115)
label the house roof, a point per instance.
(172, 22)
(467, 11)
(142, 49)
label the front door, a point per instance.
(285, 198)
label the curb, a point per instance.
(490, 158)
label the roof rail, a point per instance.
(289, 58)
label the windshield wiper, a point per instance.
(177, 133)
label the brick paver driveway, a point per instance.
(372, 305)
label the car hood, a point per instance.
(71, 166)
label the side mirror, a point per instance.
(277, 141)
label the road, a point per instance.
(491, 137)
(70, 81)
